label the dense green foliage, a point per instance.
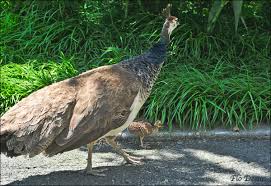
(209, 79)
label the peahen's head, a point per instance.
(170, 24)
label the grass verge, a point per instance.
(208, 81)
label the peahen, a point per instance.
(96, 104)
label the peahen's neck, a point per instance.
(148, 65)
(157, 53)
(165, 33)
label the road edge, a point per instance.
(260, 133)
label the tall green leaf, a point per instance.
(214, 13)
(237, 8)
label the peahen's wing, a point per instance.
(103, 103)
(71, 113)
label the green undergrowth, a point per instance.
(19, 80)
(190, 97)
(208, 80)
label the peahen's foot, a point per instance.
(146, 146)
(134, 160)
(96, 172)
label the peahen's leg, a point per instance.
(89, 169)
(129, 158)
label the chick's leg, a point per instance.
(129, 158)
(141, 143)
(89, 169)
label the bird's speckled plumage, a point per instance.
(146, 72)
(143, 128)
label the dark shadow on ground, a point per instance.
(187, 169)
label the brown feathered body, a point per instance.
(142, 128)
(88, 105)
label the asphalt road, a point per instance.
(212, 162)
